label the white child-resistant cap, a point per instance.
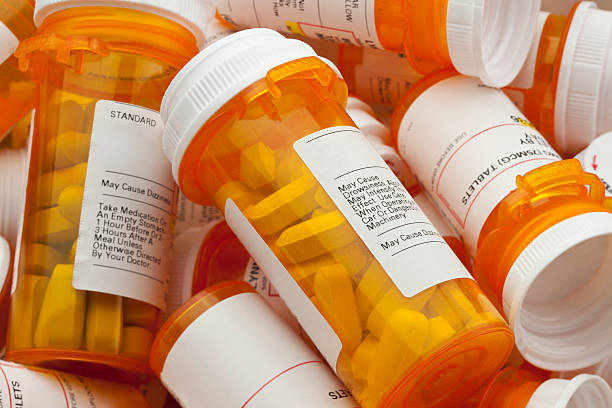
(583, 103)
(557, 294)
(215, 76)
(13, 174)
(490, 39)
(192, 14)
(582, 391)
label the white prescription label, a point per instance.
(25, 387)
(469, 162)
(267, 365)
(380, 210)
(190, 214)
(308, 316)
(597, 159)
(8, 43)
(384, 77)
(348, 22)
(255, 277)
(124, 236)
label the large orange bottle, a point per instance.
(95, 247)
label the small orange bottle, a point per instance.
(528, 218)
(95, 248)
(565, 84)
(17, 91)
(371, 281)
(487, 39)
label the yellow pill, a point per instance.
(482, 319)
(241, 194)
(457, 299)
(140, 314)
(315, 237)
(371, 289)
(245, 132)
(364, 356)
(62, 314)
(439, 333)
(318, 212)
(104, 323)
(41, 259)
(73, 249)
(400, 346)
(323, 200)
(354, 257)
(290, 167)
(69, 203)
(257, 166)
(334, 291)
(393, 301)
(137, 343)
(453, 305)
(68, 149)
(283, 207)
(303, 273)
(25, 308)
(66, 117)
(51, 184)
(51, 226)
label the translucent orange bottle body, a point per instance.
(81, 56)
(17, 91)
(455, 327)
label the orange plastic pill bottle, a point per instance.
(95, 248)
(17, 91)
(323, 215)
(487, 39)
(204, 361)
(597, 159)
(565, 85)
(527, 218)
(212, 254)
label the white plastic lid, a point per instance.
(583, 391)
(186, 247)
(583, 103)
(557, 294)
(13, 174)
(364, 117)
(215, 76)
(192, 14)
(490, 39)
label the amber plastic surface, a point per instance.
(17, 91)
(510, 388)
(79, 56)
(396, 351)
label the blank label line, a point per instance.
(362, 168)
(130, 271)
(416, 245)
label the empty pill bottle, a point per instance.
(368, 277)
(487, 39)
(39, 387)
(95, 247)
(17, 91)
(525, 216)
(516, 388)
(264, 365)
(597, 159)
(13, 173)
(564, 87)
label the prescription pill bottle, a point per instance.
(488, 39)
(35, 387)
(565, 85)
(13, 173)
(212, 254)
(17, 91)
(191, 215)
(366, 274)
(597, 159)
(529, 219)
(204, 361)
(516, 388)
(95, 248)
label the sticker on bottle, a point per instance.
(597, 159)
(379, 209)
(384, 77)
(348, 22)
(299, 304)
(124, 236)
(469, 163)
(267, 366)
(190, 214)
(8, 42)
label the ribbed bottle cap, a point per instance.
(582, 391)
(490, 39)
(584, 88)
(215, 76)
(13, 173)
(192, 14)
(557, 294)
